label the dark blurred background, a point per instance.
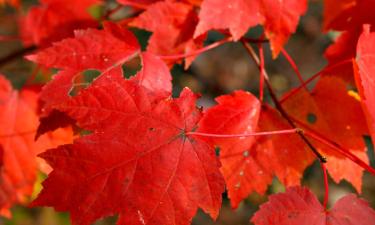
(216, 72)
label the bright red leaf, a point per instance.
(279, 18)
(218, 14)
(366, 77)
(90, 49)
(173, 25)
(141, 166)
(299, 206)
(249, 163)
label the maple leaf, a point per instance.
(321, 111)
(154, 76)
(249, 164)
(54, 20)
(141, 166)
(365, 76)
(93, 49)
(173, 25)
(18, 119)
(298, 203)
(90, 49)
(279, 18)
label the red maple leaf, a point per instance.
(279, 18)
(173, 25)
(54, 20)
(142, 165)
(89, 49)
(364, 75)
(299, 206)
(18, 124)
(249, 163)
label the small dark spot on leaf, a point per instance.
(217, 151)
(311, 118)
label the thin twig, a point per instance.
(292, 64)
(261, 71)
(197, 52)
(338, 148)
(326, 187)
(255, 57)
(312, 78)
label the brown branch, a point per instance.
(17, 54)
(278, 106)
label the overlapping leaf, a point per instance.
(299, 206)
(249, 163)
(54, 20)
(173, 25)
(347, 16)
(18, 124)
(279, 18)
(366, 77)
(90, 49)
(321, 111)
(142, 165)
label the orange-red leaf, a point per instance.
(18, 124)
(365, 79)
(321, 111)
